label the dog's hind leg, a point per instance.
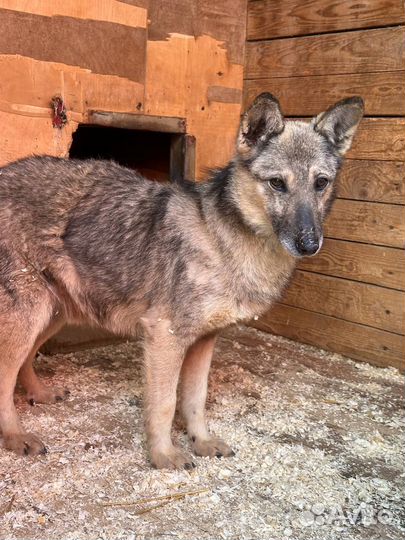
(36, 390)
(194, 379)
(164, 354)
(20, 325)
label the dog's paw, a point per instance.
(25, 444)
(212, 447)
(47, 394)
(172, 459)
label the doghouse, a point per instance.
(159, 87)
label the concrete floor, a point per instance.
(318, 441)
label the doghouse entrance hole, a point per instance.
(146, 151)
(158, 147)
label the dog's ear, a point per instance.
(261, 121)
(339, 123)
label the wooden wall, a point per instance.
(350, 298)
(177, 58)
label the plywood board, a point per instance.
(98, 45)
(107, 10)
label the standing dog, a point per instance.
(90, 241)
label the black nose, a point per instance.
(307, 245)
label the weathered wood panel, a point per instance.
(99, 49)
(349, 298)
(268, 19)
(384, 93)
(352, 301)
(373, 223)
(347, 52)
(354, 340)
(379, 138)
(379, 181)
(377, 265)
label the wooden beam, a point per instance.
(182, 158)
(141, 122)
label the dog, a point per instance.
(91, 241)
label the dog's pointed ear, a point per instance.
(339, 123)
(261, 121)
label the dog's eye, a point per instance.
(277, 183)
(321, 182)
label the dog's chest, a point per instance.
(250, 290)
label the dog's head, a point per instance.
(287, 169)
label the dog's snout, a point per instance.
(307, 237)
(307, 244)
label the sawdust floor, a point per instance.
(317, 436)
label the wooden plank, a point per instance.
(176, 86)
(223, 94)
(269, 19)
(379, 138)
(23, 136)
(384, 93)
(347, 52)
(108, 10)
(182, 158)
(29, 84)
(379, 181)
(372, 223)
(163, 124)
(352, 301)
(98, 45)
(354, 340)
(377, 265)
(224, 20)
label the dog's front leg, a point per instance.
(194, 379)
(164, 354)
